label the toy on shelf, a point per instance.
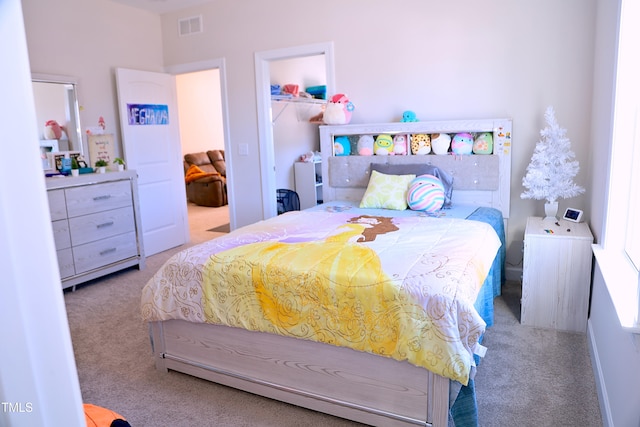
(420, 144)
(409, 116)
(383, 145)
(483, 144)
(341, 146)
(462, 143)
(440, 143)
(365, 145)
(400, 145)
(338, 110)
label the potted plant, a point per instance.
(120, 162)
(101, 165)
(75, 168)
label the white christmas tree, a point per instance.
(553, 166)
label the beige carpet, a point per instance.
(530, 377)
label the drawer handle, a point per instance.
(105, 197)
(107, 251)
(106, 224)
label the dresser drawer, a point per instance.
(98, 197)
(65, 263)
(61, 235)
(57, 204)
(89, 228)
(102, 252)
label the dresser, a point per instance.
(556, 274)
(96, 224)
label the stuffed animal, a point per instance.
(420, 143)
(338, 110)
(52, 130)
(462, 143)
(409, 116)
(483, 144)
(440, 143)
(383, 145)
(400, 145)
(365, 145)
(341, 146)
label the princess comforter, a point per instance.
(400, 287)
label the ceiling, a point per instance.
(162, 6)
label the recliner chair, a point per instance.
(210, 190)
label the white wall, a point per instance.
(88, 40)
(615, 352)
(38, 379)
(444, 60)
(200, 110)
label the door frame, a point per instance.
(220, 65)
(265, 120)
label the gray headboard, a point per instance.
(484, 180)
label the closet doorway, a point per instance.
(268, 117)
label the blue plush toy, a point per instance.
(341, 146)
(409, 116)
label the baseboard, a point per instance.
(603, 398)
(513, 273)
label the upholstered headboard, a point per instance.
(481, 179)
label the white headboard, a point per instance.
(484, 180)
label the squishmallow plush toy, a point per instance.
(409, 116)
(365, 145)
(426, 193)
(341, 146)
(462, 143)
(483, 144)
(338, 110)
(440, 143)
(400, 145)
(420, 143)
(383, 145)
(52, 130)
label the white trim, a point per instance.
(603, 397)
(263, 99)
(220, 65)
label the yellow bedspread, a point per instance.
(401, 288)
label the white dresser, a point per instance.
(556, 276)
(96, 224)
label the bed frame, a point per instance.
(339, 381)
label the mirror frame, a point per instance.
(68, 80)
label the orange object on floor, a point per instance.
(97, 416)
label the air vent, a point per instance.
(189, 26)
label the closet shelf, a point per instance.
(305, 107)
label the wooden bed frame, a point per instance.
(339, 381)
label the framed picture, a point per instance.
(79, 159)
(101, 147)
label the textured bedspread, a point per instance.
(403, 287)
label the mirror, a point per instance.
(56, 99)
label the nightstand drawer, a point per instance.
(89, 228)
(61, 235)
(103, 252)
(99, 197)
(57, 204)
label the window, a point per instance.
(620, 256)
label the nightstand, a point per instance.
(556, 275)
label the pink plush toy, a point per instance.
(400, 145)
(52, 130)
(338, 110)
(462, 143)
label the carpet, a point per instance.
(224, 228)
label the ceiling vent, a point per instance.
(189, 26)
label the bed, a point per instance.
(369, 314)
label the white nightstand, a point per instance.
(556, 274)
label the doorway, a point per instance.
(263, 61)
(202, 104)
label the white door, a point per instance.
(151, 143)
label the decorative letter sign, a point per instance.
(148, 114)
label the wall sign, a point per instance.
(148, 114)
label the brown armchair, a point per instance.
(205, 185)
